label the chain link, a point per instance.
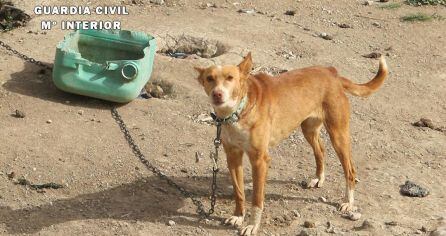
(135, 149)
(25, 57)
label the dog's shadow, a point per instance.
(149, 199)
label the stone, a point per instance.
(373, 55)
(19, 114)
(354, 216)
(411, 189)
(157, 2)
(325, 36)
(247, 11)
(171, 223)
(344, 26)
(295, 213)
(309, 224)
(290, 13)
(366, 225)
(156, 91)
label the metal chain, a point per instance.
(25, 57)
(135, 149)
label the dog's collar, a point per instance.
(233, 117)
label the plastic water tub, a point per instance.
(113, 65)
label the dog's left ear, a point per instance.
(200, 71)
(245, 66)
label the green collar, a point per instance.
(233, 117)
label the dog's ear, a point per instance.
(245, 66)
(200, 71)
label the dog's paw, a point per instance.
(315, 183)
(250, 230)
(234, 221)
(347, 207)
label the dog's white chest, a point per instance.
(236, 135)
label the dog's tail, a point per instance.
(364, 90)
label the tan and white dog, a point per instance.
(258, 111)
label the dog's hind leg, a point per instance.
(311, 129)
(337, 123)
(234, 158)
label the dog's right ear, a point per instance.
(245, 66)
(200, 71)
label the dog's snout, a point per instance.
(217, 94)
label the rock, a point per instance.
(156, 91)
(383, 0)
(287, 218)
(80, 112)
(391, 223)
(325, 36)
(304, 233)
(11, 175)
(49, 121)
(171, 223)
(373, 55)
(247, 11)
(366, 225)
(411, 189)
(198, 156)
(353, 216)
(424, 122)
(19, 114)
(309, 224)
(376, 24)
(295, 213)
(290, 13)
(368, 3)
(344, 26)
(157, 2)
(330, 228)
(322, 199)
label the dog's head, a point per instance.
(225, 85)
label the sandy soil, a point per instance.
(108, 191)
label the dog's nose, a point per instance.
(218, 95)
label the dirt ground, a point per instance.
(108, 191)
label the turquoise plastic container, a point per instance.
(113, 65)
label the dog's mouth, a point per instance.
(218, 103)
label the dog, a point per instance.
(258, 111)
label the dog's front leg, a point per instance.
(260, 163)
(234, 157)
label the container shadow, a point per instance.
(35, 82)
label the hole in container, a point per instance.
(129, 71)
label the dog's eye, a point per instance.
(210, 78)
(230, 78)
